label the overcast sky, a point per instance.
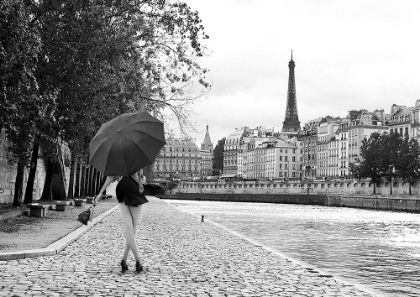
(356, 54)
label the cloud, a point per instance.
(349, 55)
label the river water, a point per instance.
(377, 249)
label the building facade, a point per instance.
(231, 149)
(360, 128)
(327, 147)
(206, 153)
(337, 142)
(309, 138)
(178, 159)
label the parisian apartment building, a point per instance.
(323, 149)
(182, 159)
(262, 153)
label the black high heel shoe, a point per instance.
(139, 267)
(124, 266)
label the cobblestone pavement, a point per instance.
(182, 257)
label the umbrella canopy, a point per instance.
(126, 144)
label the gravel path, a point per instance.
(182, 257)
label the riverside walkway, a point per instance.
(182, 256)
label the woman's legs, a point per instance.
(130, 216)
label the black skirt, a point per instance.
(127, 191)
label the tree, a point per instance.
(387, 156)
(407, 165)
(390, 150)
(107, 57)
(69, 66)
(218, 156)
(369, 166)
(21, 107)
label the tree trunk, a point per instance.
(103, 181)
(17, 198)
(95, 182)
(32, 172)
(99, 183)
(409, 186)
(89, 178)
(88, 181)
(47, 191)
(374, 188)
(70, 194)
(82, 180)
(92, 180)
(86, 184)
(77, 186)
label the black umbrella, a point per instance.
(126, 144)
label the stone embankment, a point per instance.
(405, 204)
(338, 187)
(182, 256)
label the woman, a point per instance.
(130, 198)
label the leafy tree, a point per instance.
(69, 66)
(369, 166)
(387, 156)
(22, 109)
(390, 151)
(106, 58)
(408, 164)
(218, 156)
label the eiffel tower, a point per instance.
(291, 124)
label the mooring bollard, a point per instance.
(202, 218)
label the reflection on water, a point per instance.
(375, 248)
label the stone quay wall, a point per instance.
(350, 193)
(8, 173)
(368, 202)
(340, 187)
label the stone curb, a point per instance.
(59, 245)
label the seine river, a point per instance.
(377, 249)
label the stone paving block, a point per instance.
(181, 256)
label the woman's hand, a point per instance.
(108, 180)
(97, 198)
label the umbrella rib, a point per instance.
(150, 135)
(142, 130)
(140, 149)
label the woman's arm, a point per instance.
(109, 179)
